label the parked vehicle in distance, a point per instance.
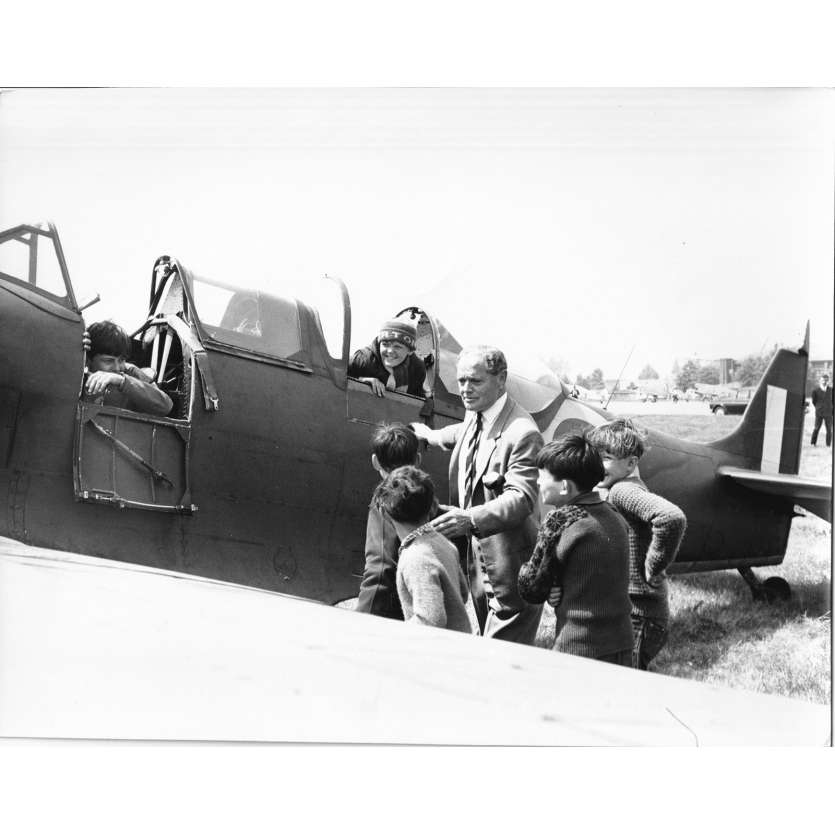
(734, 405)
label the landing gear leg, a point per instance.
(770, 590)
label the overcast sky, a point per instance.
(564, 223)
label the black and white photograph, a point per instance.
(465, 416)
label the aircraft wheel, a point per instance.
(719, 410)
(775, 589)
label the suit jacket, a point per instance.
(506, 515)
(378, 589)
(822, 401)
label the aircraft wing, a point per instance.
(815, 496)
(94, 648)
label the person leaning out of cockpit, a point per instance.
(113, 381)
(390, 363)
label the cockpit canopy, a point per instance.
(249, 319)
(310, 330)
(31, 256)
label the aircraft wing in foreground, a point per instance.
(94, 648)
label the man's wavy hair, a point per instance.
(494, 359)
(620, 438)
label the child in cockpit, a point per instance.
(113, 380)
(390, 363)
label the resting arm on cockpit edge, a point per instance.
(115, 382)
(128, 389)
(390, 363)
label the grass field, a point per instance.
(719, 634)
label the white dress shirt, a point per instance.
(488, 418)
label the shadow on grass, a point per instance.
(808, 597)
(714, 613)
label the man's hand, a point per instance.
(421, 430)
(555, 596)
(454, 523)
(98, 381)
(376, 386)
(86, 344)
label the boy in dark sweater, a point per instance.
(581, 559)
(392, 445)
(656, 528)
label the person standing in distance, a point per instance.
(494, 514)
(822, 401)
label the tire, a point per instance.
(719, 410)
(775, 589)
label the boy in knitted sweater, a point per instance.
(656, 528)
(430, 583)
(580, 563)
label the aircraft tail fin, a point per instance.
(770, 434)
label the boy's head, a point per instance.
(393, 445)
(568, 467)
(621, 445)
(109, 346)
(406, 494)
(396, 340)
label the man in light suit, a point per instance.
(493, 489)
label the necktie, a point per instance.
(469, 461)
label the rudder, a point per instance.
(770, 434)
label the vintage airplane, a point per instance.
(261, 473)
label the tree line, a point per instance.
(747, 372)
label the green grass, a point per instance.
(718, 633)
